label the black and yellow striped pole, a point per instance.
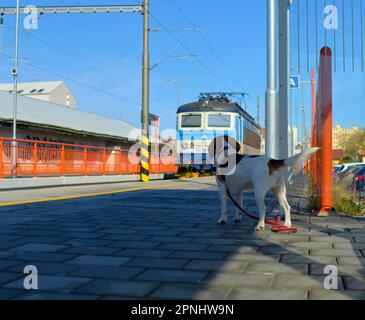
(145, 148)
(145, 156)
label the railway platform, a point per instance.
(161, 240)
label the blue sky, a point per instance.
(104, 52)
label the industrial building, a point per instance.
(52, 91)
(51, 115)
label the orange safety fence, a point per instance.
(31, 158)
(321, 133)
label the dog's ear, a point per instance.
(233, 143)
(212, 149)
(217, 142)
(238, 147)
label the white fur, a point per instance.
(253, 174)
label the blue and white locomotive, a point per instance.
(214, 115)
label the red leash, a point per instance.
(276, 226)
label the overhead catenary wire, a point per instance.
(72, 57)
(212, 73)
(325, 29)
(344, 35)
(89, 66)
(353, 35)
(78, 82)
(316, 31)
(210, 46)
(335, 44)
(362, 34)
(307, 36)
(298, 34)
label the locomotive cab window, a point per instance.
(219, 121)
(191, 121)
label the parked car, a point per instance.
(336, 167)
(359, 180)
(346, 166)
(347, 177)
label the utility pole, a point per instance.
(14, 73)
(91, 9)
(284, 77)
(271, 103)
(145, 149)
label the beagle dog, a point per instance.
(238, 173)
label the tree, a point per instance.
(354, 144)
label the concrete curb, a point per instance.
(45, 182)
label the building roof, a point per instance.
(338, 154)
(49, 115)
(362, 154)
(33, 88)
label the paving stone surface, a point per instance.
(165, 243)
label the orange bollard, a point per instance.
(325, 138)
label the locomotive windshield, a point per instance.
(191, 121)
(219, 121)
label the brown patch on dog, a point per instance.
(212, 149)
(232, 141)
(275, 165)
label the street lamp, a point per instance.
(14, 71)
(177, 83)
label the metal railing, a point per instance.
(29, 158)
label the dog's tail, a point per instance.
(301, 157)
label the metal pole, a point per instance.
(14, 73)
(290, 129)
(304, 129)
(271, 109)
(284, 77)
(145, 152)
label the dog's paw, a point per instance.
(260, 227)
(222, 220)
(237, 218)
(288, 224)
